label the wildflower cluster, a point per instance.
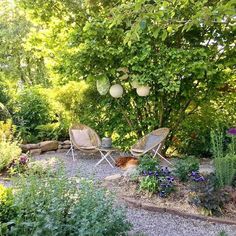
(19, 164)
(161, 178)
(196, 177)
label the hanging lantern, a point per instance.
(116, 90)
(143, 90)
(103, 84)
(135, 84)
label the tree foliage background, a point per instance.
(184, 50)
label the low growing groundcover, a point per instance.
(59, 206)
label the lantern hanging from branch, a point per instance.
(143, 90)
(116, 91)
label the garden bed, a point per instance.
(176, 203)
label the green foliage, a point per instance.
(187, 69)
(8, 152)
(225, 169)
(17, 62)
(208, 197)
(223, 233)
(40, 170)
(7, 130)
(18, 165)
(55, 206)
(147, 163)
(185, 166)
(194, 135)
(150, 184)
(224, 158)
(33, 110)
(155, 179)
(217, 140)
(9, 148)
(7, 210)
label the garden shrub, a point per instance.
(184, 167)
(194, 135)
(18, 165)
(225, 169)
(207, 196)
(55, 206)
(7, 130)
(8, 152)
(33, 109)
(224, 156)
(147, 163)
(9, 149)
(7, 210)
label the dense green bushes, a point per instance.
(55, 206)
(7, 210)
(9, 148)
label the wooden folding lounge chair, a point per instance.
(151, 142)
(83, 138)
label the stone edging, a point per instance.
(151, 207)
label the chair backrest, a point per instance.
(93, 136)
(151, 140)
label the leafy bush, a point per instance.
(147, 163)
(33, 109)
(18, 165)
(185, 166)
(217, 142)
(224, 157)
(7, 210)
(195, 131)
(9, 149)
(149, 183)
(225, 169)
(55, 206)
(208, 197)
(6, 130)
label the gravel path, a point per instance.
(144, 222)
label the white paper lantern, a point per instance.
(135, 84)
(116, 90)
(143, 90)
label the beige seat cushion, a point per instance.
(81, 137)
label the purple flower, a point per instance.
(23, 159)
(194, 173)
(150, 172)
(162, 194)
(232, 131)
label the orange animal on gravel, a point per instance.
(126, 162)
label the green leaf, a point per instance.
(164, 35)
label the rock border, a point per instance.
(151, 207)
(50, 146)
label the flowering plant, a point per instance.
(159, 181)
(18, 165)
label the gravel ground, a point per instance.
(144, 222)
(164, 224)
